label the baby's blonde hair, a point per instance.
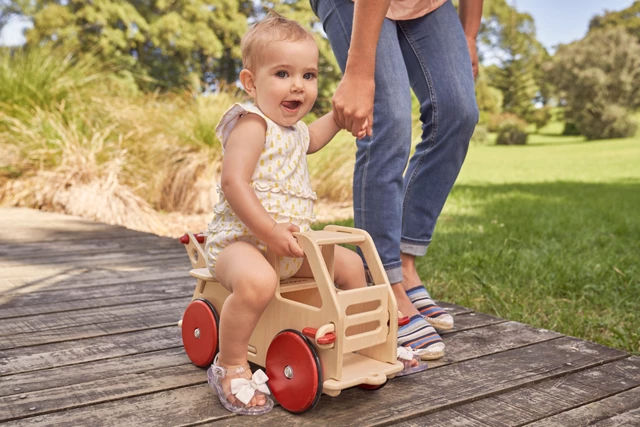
(274, 27)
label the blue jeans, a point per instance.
(429, 55)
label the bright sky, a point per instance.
(564, 21)
(557, 21)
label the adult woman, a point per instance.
(385, 49)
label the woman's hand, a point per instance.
(353, 105)
(473, 53)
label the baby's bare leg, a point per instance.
(348, 269)
(243, 270)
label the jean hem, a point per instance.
(413, 248)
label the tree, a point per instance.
(517, 54)
(163, 43)
(628, 19)
(599, 77)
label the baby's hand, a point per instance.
(364, 131)
(282, 242)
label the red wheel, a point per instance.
(294, 371)
(200, 332)
(372, 386)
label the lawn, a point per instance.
(547, 234)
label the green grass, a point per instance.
(547, 234)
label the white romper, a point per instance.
(281, 183)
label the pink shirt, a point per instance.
(400, 10)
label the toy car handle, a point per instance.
(323, 337)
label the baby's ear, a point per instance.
(247, 80)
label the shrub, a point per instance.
(497, 120)
(570, 129)
(612, 121)
(480, 135)
(540, 116)
(512, 132)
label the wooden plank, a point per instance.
(622, 409)
(182, 406)
(85, 372)
(95, 296)
(471, 320)
(455, 384)
(82, 277)
(493, 338)
(81, 324)
(454, 309)
(43, 278)
(603, 385)
(33, 250)
(119, 387)
(140, 256)
(68, 353)
(30, 225)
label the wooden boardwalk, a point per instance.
(89, 336)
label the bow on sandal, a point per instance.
(244, 389)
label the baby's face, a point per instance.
(286, 80)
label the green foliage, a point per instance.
(489, 98)
(541, 116)
(511, 37)
(164, 44)
(480, 135)
(44, 78)
(512, 132)
(628, 18)
(599, 78)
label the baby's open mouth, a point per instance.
(291, 105)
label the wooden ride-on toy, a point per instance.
(312, 338)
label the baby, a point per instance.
(265, 194)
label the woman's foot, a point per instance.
(238, 390)
(421, 337)
(433, 313)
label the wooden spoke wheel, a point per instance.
(294, 371)
(200, 332)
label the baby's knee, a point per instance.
(350, 271)
(257, 287)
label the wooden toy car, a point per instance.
(312, 337)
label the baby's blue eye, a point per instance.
(282, 74)
(309, 76)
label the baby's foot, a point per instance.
(238, 390)
(410, 360)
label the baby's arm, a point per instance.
(242, 151)
(322, 130)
